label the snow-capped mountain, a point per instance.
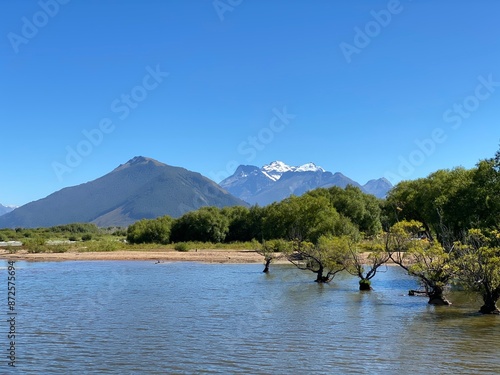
(277, 180)
(276, 169)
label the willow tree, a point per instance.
(479, 265)
(271, 250)
(362, 266)
(326, 258)
(426, 260)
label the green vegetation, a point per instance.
(326, 258)
(272, 250)
(434, 213)
(444, 230)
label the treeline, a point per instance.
(322, 212)
(443, 229)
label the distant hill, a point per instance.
(6, 209)
(277, 181)
(140, 188)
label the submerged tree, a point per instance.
(272, 250)
(326, 258)
(421, 258)
(479, 265)
(365, 267)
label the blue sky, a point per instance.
(368, 88)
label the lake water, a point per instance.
(187, 318)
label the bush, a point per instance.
(87, 237)
(103, 246)
(59, 248)
(35, 245)
(181, 246)
(278, 246)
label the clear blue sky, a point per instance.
(366, 81)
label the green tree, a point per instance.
(311, 216)
(150, 230)
(438, 202)
(362, 209)
(426, 260)
(244, 223)
(326, 258)
(272, 250)
(365, 267)
(478, 262)
(206, 224)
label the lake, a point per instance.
(132, 317)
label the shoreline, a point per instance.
(200, 255)
(220, 256)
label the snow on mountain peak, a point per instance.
(276, 169)
(277, 166)
(309, 167)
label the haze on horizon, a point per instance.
(372, 89)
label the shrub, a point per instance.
(278, 246)
(35, 245)
(87, 237)
(60, 248)
(181, 246)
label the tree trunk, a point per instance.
(320, 278)
(490, 304)
(266, 267)
(364, 284)
(436, 297)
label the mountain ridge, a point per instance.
(6, 209)
(276, 181)
(141, 188)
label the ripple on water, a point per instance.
(187, 318)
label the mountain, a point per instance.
(277, 181)
(379, 187)
(6, 209)
(141, 188)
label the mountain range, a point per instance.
(144, 188)
(276, 181)
(6, 209)
(140, 188)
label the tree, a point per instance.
(272, 250)
(312, 216)
(239, 227)
(150, 230)
(365, 267)
(442, 197)
(421, 258)
(479, 263)
(326, 259)
(362, 209)
(206, 224)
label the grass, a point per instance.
(39, 244)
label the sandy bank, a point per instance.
(201, 255)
